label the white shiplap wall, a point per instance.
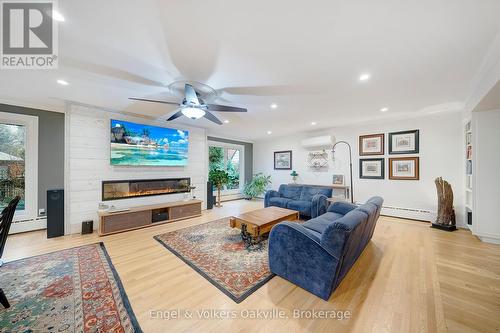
(88, 154)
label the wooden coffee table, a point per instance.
(257, 223)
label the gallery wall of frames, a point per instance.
(403, 144)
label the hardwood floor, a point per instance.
(410, 278)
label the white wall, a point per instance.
(486, 187)
(88, 154)
(441, 148)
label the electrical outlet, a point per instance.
(41, 211)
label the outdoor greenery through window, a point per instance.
(12, 157)
(228, 159)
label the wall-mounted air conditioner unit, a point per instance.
(319, 142)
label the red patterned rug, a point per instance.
(216, 251)
(73, 290)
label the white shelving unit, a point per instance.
(469, 170)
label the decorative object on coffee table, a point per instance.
(219, 178)
(404, 168)
(73, 290)
(371, 168)
(256, 224)
(283, 160)
(372, 144)
(445, 219)
(405, 142)
(217, 252)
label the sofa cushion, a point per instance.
(320, 223)
(308, 192)
(341, 207)
(279, 202)
(304, 207)
(290, 191)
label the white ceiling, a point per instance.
(491, 101)
(306, 56)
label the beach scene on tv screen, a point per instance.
(139, 144)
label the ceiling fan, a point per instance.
(194, 107)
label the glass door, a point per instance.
(12, 165)
(19, 166)
(229, 158)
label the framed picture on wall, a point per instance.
(283, 160)
(338, 179)
(404, 168)
(371, 168)
(405, 142)
(372, 144)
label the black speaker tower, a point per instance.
(210, 195)
(55, 213)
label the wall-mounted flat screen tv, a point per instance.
(144, 145)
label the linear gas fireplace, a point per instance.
(125, 189)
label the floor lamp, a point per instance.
(350, 164)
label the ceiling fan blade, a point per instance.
(153, 101)
(213, 118)
(224, 108)
(175, 115)
(191, 96)
(276, 90)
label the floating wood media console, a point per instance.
(146, 216)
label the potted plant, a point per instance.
(257, 186)
(219, 178)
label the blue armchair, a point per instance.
(318, 254)
(310, 201)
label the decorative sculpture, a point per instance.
(317, 160)
(446, 214)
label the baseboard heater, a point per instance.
(409, 213)
(37, 223)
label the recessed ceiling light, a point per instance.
(364, 77)
(226, 121)
(57, 16)
(384, 109)
(62, 82)
(313, 123)
(274, 106)
(269, 132)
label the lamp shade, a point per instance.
(193, 113)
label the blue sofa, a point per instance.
(318, 254)
(310, 201)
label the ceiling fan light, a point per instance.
(193, 113)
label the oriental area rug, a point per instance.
(217, 252)
(73, 290)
